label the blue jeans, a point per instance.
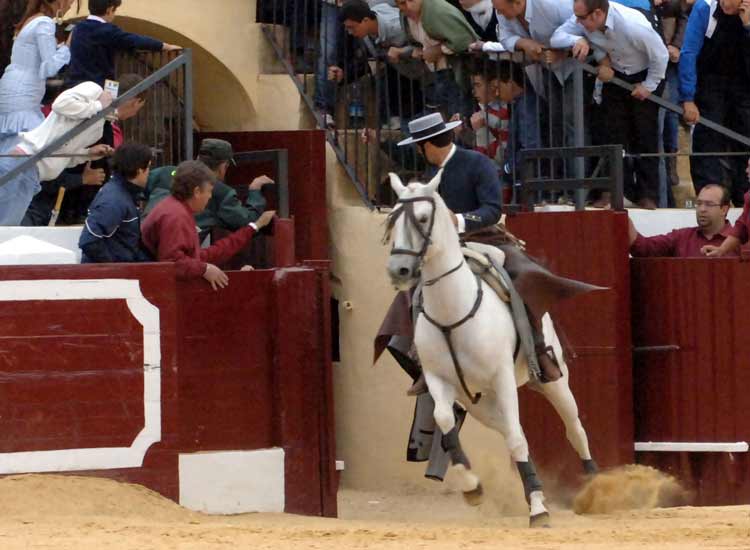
(525, 131)
(669, 127)
(16, 195)
(325, 90)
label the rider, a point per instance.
(471, 189)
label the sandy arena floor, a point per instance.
(63, 513)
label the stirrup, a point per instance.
(549, 353)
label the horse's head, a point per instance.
(415, 227)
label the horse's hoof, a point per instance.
(474, 497)
(540, 521)
(590, 468)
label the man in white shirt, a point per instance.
(528, 26)
(627, 46)
(71, 108)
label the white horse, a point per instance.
(426, 249)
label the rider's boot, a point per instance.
(546, 357)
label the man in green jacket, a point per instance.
(224, 209)
(442, 31)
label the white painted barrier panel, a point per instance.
(233, 482)
(677, 447)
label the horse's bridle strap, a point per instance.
(407, 208)
(448, 329)
(437, 279)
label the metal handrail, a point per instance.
(666, 104)
(268, 32)
(185, 59)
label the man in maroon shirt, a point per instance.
(711, 209)
(170, 232)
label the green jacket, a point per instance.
(223, 210)
(443, 22)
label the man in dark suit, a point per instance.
(470, 185)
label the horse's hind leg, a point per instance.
(444, 396)
(559, 395)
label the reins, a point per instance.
(407, 209)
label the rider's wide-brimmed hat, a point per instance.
(426, 127)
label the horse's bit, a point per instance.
(407, 209)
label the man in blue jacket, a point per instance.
(112, 231)
(715, 83)
(96, 40)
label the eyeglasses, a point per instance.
(707, 204)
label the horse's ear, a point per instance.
(396, 184)
(434, 182)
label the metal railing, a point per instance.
(182, 64)
(365, 107)
(160, 122)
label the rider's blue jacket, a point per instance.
(470, 186)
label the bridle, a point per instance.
(407, 210)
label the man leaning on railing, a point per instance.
(627, 46)
(715, 84)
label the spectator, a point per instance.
(324, 97)
(627, 46)
(515, 90)
(379, 28)
(711, 209)
(39, 212)
(528, 26)
(96, 40)
(491, 121)
(715, 84)
(674, 17)
(69, 110)
(82, 182)
(169, 231)
(441, 31)
(112, 231)
(36, 56)
(482, 17)
(740, 231)
(224, 209)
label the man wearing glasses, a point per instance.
(626, 46)
(713, 229)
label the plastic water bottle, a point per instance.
(356, 108)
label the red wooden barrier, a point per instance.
(244, 368)
(701, 392)
(591, 247)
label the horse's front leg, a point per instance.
(444, 395)
(510, 426)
